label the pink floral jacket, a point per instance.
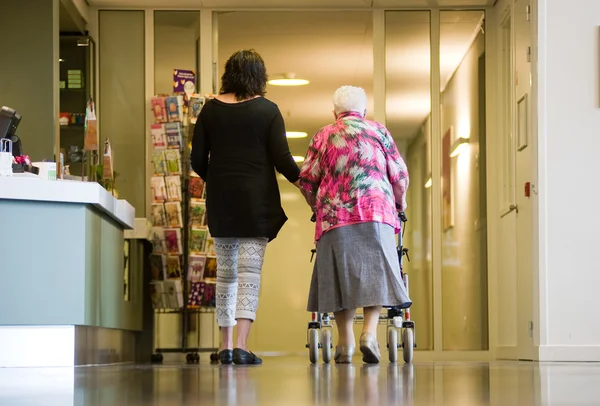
(351, 166)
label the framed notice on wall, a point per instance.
(447, 193)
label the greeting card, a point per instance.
(195, 106)
(159, 163)
(175, 108)
(208, 296)
(173, 161)
(196, 268)
(210, 247)
(174, 138)
(157, 295)
(174, 293)
(196, 187)
(158, 215)
(197, 240)
(196, 293)
(159, 137)
(159, 189)
(173, 241)
(173, 188)
(210, 269)
(159, 109)
(173, 267)
(174, 217)
(197, 212)
(158, 265)
(158, 240)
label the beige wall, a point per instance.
(418, 236)
(123, 105)
(29, 71)
(464, 271)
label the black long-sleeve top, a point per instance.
(236, 148)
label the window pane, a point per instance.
(408, 109)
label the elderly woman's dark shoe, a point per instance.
(241, 357)
(226, 357)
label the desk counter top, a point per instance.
(66, 191)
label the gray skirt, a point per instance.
(357, 266)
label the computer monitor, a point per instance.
(9, 121)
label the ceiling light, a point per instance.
(288, 79)
(428, 183)
(459, 145)
(298, 158)
(296, 134)
(83, 42)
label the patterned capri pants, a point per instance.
(239, 264)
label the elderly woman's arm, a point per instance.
(399, 189)
(397, 172)
(310, 174)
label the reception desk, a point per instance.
(62, 274)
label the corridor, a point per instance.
(293, 381)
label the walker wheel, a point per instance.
(214, 357)
(326, 345)
(313, 345)
(157, 358)
(393, 345)
(408, 345)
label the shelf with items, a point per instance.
(183, 274)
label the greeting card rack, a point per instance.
(183, 262)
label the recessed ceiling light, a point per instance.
(296, 134)
(288, 79)
(288, 82)
(298, 158)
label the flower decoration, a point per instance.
(22, 160)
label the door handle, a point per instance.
(511, 208)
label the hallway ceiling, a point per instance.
(253, 4)
(337, 49)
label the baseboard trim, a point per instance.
(569, 353)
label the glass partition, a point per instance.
(463, 162)
(408, 109)
(176, 36)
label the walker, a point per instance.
(320, 328)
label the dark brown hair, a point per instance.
(245, 75)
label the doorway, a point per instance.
(450, 290)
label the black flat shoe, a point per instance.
(226, 357)
(241, 357)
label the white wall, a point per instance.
(569, 121)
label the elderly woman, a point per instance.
(239, 141)
(355, 181)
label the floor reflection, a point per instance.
(293, 381)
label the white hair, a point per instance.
(350, 98)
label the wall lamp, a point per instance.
(459, 145)
(428, 183)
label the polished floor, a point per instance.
(293, 381)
